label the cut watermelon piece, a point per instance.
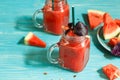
(95, 18)
(114, 41)
(110, 28)
(117, 21)
(33, 40)
(71, 33)
(111, 71)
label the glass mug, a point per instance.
(54, 16)
(73, 52)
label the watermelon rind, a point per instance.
(28, 37)
(112, 34)
(96, 11)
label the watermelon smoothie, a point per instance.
(74, 52)
(74, 48)
(55, 17)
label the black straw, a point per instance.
(52, 4)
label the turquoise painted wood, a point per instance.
(21, 62)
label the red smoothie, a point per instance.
(56, 17)
(74, 52)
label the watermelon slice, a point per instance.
(95, 18)
(111, 71)
(110, 28)
(117, 21)
(33, 40)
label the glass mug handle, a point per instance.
(38, 25)
(49, 54)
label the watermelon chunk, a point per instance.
(95, 18)
(114, 41)
(110, 28)
(111, 71)
(33, 40)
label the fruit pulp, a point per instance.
(74, 55)
(55, 19)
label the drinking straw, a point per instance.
(52, 4)
(73, 16)
(66, 1)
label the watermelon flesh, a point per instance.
(111, 71)
(114, 41)
(107, 18)
(117, 21)
(33, 40)
(110, 28)
(95, 18)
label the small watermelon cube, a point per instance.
(114, 41)
(33, 40)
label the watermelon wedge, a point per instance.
(95, 18)
(111, 71)
(33, 40)
(110, 28)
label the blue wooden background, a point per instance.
(21, 62)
